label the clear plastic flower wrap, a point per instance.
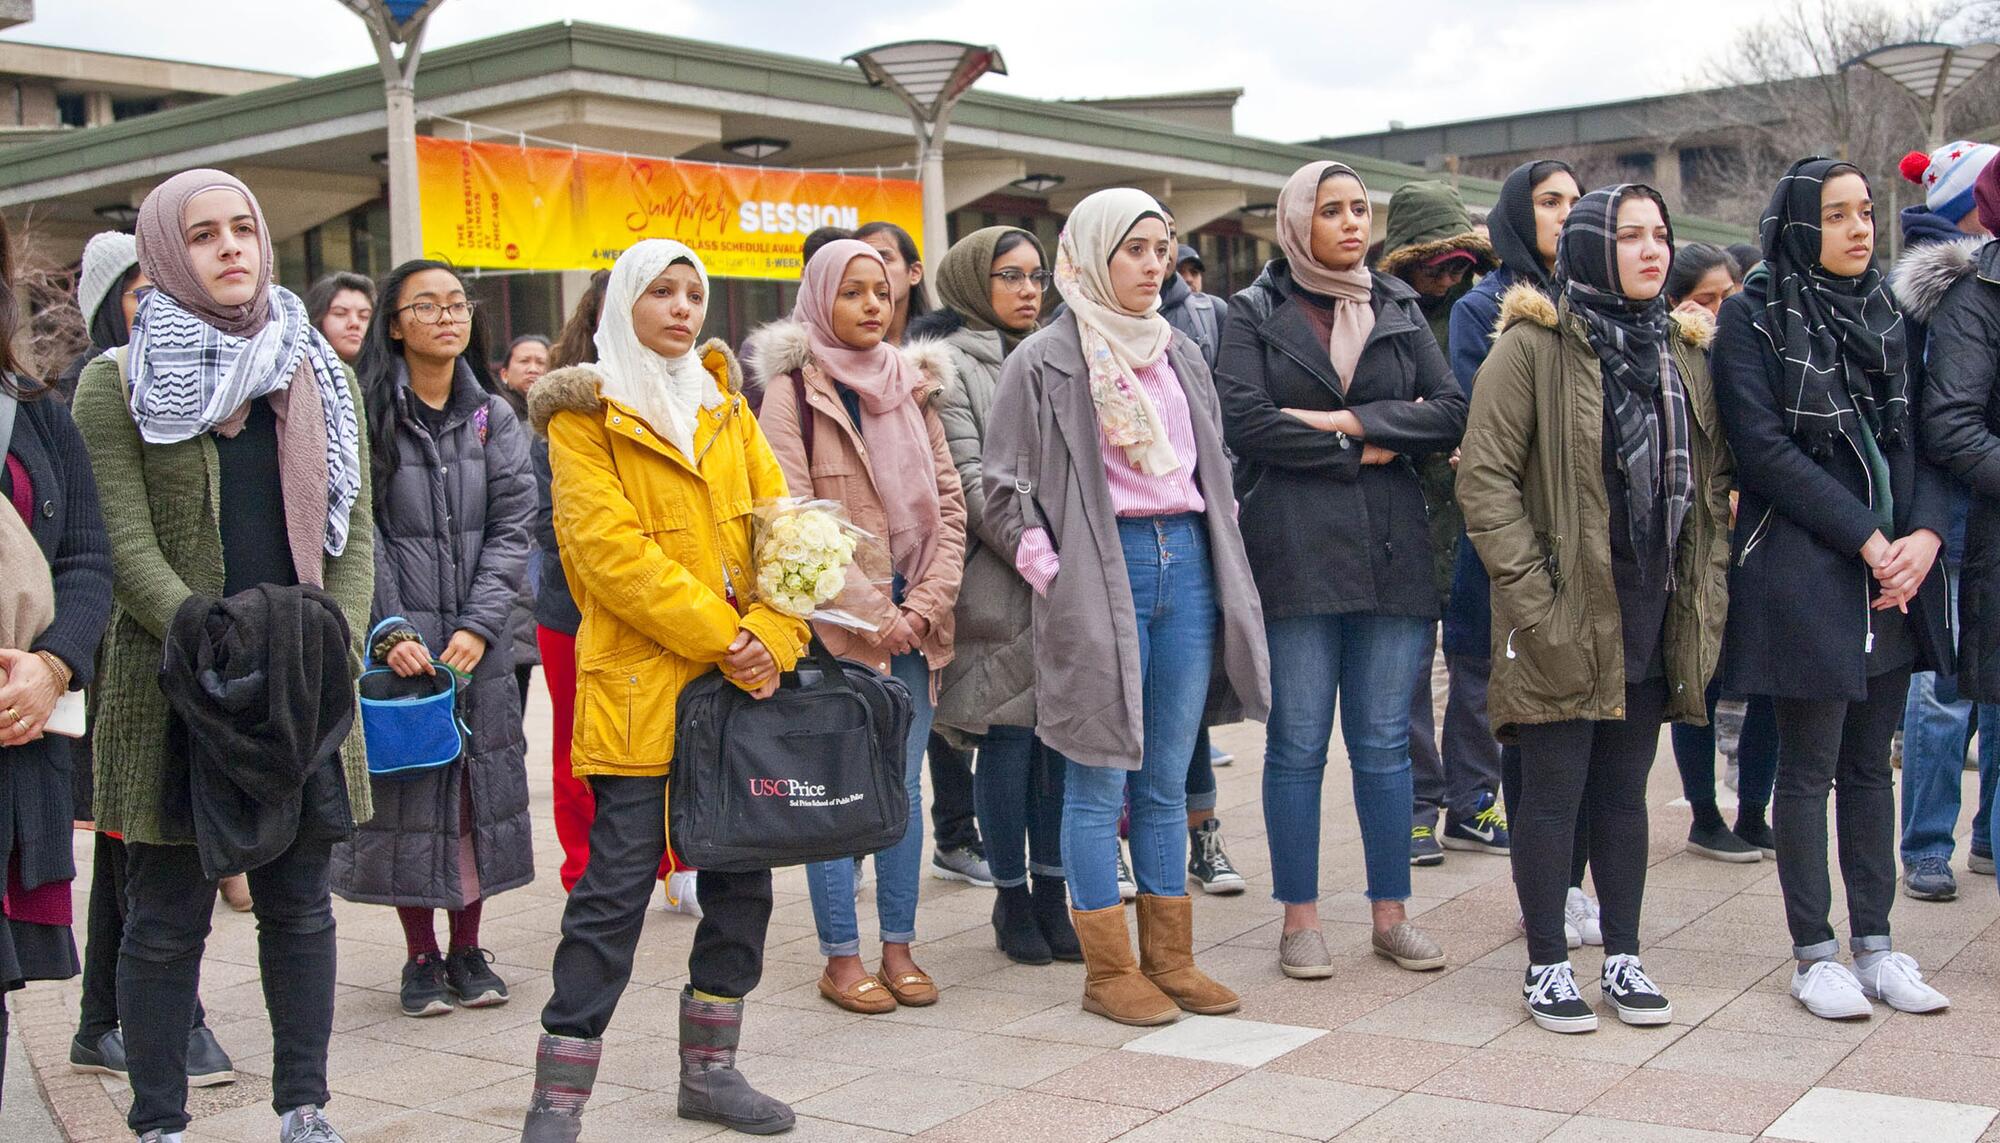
(807, 553)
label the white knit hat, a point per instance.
(106, 258)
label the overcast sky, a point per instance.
(1309, 67)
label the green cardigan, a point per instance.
(160, 505)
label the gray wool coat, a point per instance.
(991, 679)
(452, 537)
(1043, 463)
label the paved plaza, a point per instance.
(1372, 1053)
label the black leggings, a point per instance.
(1510, 795)
(606, 910)
(1564, 767)
(1840, 748)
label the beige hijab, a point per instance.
(1117, 342)
(1353, 316)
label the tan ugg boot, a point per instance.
(1113, 986)
(1166, 956)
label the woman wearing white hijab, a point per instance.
(655, 459)
(1140, 580)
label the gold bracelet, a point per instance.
(58, 668)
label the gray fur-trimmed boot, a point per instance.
(565, 1071)
(712, 1089)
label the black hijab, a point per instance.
(1512, 221)
(1841, 340)
(1647, 400)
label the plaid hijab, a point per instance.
(1841, 340)
(1633, 340)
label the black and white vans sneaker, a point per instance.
(1552, 999)
(1632, 993)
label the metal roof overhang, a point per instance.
(332, 125)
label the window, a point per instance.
(132, 108)
(1636, 166)
(72, 109)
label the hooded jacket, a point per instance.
(1325, 533)
(1203, 317)
(1916, 272)
(1427, 219)
(452, 542)
(836, 468)
(1530, 479)
(650, 542)
(1953, 288)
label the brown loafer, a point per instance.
(868, 996)
(912, 989)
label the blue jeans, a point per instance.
(1937, 725)
(1368, 665)
(831, 883)
(1173, 593)
(1017, 791)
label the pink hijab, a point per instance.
(1353, 315)
(901, 462)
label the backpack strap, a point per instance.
(805, 412)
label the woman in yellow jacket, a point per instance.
(656, 462)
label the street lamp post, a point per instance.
(929, 76)
(1931, 72)
(393, 22)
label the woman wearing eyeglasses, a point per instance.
(991, 283)
(454, 502)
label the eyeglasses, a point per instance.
(431, 313)
(1016, 281)
(139, 293)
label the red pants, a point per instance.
(574, 806)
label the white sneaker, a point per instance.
(1570, 935)
(1830, 992)
(1580, 914)
(681, 896)
(1894, 979)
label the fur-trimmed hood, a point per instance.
(579, 388)
(1403, 259)
(1925, 273)
(779, 347)
(1523, 302)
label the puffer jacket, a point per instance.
(1953, 289)
(837, 469)
(451, 551)
(1530, 479)
(652, 544)
(991, 679)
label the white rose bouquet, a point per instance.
(804, 552)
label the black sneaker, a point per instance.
(207, 1064)
(1209, 865)
(468, 973)
(1929, 879)
(106, 1057)
(1483, 831)
(1716, 842)
(424, 991)
(1757, 832)
(1552, 999)
(1632, 993)
(1424, 848)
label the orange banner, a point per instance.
(498, 205)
